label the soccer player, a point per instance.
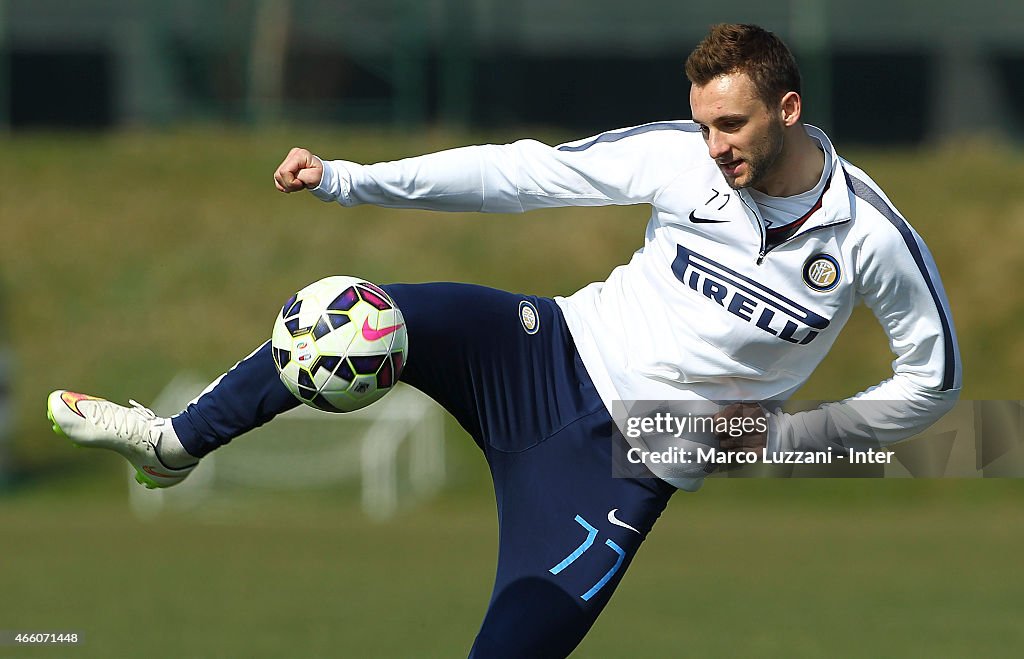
(760, 242)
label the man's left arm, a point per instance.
(898, 280)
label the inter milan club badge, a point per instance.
(821, 272)
(529, 317)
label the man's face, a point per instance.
(744, 137)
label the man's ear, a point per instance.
(790, 108)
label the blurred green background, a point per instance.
(142, 237)
(131, 256)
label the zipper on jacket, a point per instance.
(760, 228)
(760, 224)
(764, 252)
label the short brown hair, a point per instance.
(735, 48)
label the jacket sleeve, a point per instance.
(620, 167)
(897, 279)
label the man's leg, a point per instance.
(244, 398)
(459, 337)
(452, 355)
(568, 531)
(439, 316)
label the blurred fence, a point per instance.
(875, 70)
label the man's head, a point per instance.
(745, 93)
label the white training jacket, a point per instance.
(704, 311)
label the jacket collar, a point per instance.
(836, 202)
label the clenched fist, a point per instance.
(299, 170)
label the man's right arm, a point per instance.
(507, 178)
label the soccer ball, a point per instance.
(339, 344)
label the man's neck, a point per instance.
(799, 166)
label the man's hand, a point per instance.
(748, 424)
(299, 170)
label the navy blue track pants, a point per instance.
(567, 529)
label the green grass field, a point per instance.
(129, 257)
(766, 568)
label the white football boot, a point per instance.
(135, 432)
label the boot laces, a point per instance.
(133, 423)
